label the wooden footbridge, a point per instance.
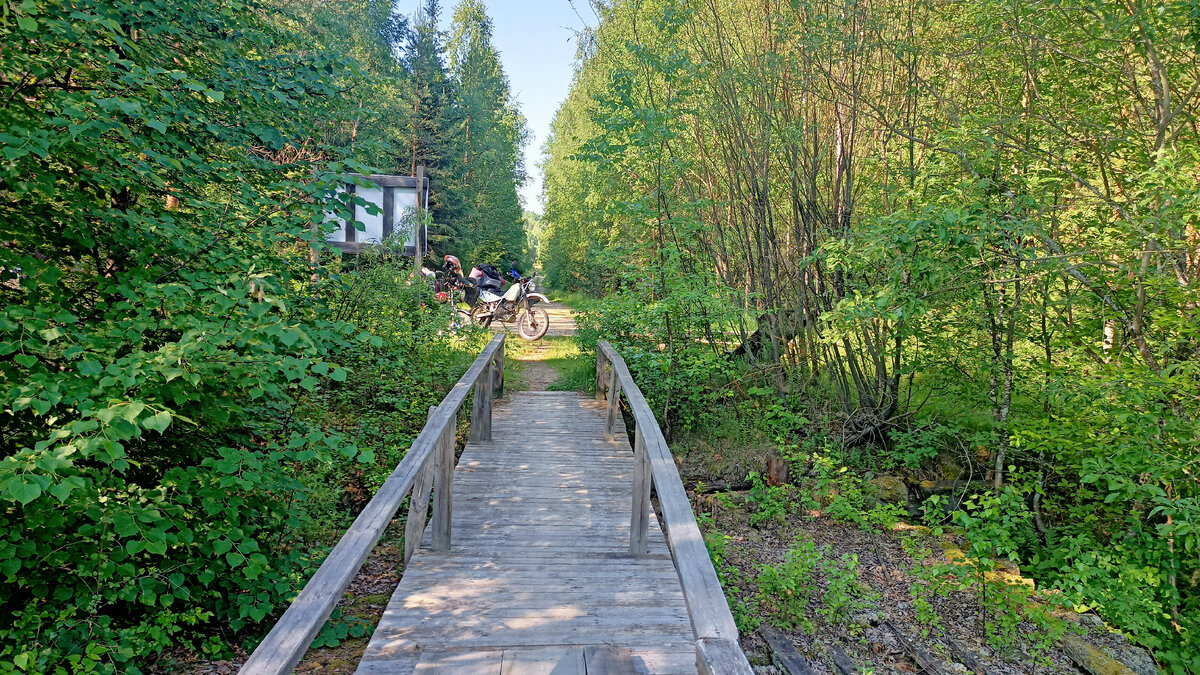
(543, 551)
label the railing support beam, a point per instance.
(601, 376)
(614, 405)
(418, 505)
(444, 471)
(639, 522)
(481, 408)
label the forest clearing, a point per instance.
(878, 318)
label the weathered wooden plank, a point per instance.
(544, 661)
(460, 663)
(719, 656)
(639, 518)
(601, 377)
(533, 632)
(841, 661)
(287, 641)
(671, 658)
(481, 409)
(966, 657)
(608, 660)
(613, 407)
(418, 506)
(443, 494)
(498, 372)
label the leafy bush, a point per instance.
(770, 502)
(785, 590)
(164, 334)
(844, 594)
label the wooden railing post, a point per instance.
(601, 380)
(498, 372)
(481, 408)
(442, 505)
(614, 405)
(418, 504)
(639, 520)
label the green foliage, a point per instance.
(844, 594)
(926, 615)
(770, 502)
(339, 628)
(1008, 614)
(180, 383)
(1006, 281)
(785, 590)
(743, 608)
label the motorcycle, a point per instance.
(516, 305)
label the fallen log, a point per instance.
(966, 657)
(783, 652)
(923, 658)
(844, 665)
(707, 487)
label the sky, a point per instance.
(536, 41)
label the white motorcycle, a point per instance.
(517, 304)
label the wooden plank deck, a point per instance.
(539, 572)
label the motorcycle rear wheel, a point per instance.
(480, 315)
(533, 324)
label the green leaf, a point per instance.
(90, 368)
(234, 559)
(27, 24)
(338, 375)
(23, 488)
(65, 487)
(158, 422)
(133, 410)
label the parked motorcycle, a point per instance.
(516, 305)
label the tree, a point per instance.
(491, 134)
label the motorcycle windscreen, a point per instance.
(513, 293)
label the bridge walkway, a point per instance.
(540, 567)
(538, 550)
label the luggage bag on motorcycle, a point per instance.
(489, 277)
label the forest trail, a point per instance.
(540, 567)
(536, 373)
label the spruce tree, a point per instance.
(433, 139)
(490, 134)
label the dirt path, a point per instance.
(536, 373)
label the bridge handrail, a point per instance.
(717, 650)
(429, 460)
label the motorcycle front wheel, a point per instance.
(533, 324)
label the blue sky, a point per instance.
(536, 41)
